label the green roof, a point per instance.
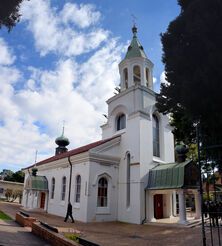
(36, 183)
(135, 49)
(173, 176)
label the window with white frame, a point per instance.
(120, 122)
(156, 137)
(53, 188)
(63, 193)
(102, 192)
(78, 188)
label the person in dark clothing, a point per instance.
(69, 213)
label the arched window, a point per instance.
(136, 75)
(156, 137)
(125, 74)
(102, 192)
(78, 188)
(53, 188)
(63, 194)
(147, 77)
(121, 122)
(128, 180)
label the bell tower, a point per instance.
(146, 136)
(135, 68)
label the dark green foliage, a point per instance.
(192, 54)
(15, 177)
(9, 13)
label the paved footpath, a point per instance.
(11, 234)
(114, 233)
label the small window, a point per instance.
(78, 188)
(125, 74)
(53, 188)
(147, 77)
(102, 192)
(63, 194)
(136, 75)
(121, 122)
(156, 137)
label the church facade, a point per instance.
(108, 180)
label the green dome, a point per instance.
(62, 141)
(135, 49)
(181, 149)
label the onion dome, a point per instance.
(62, 142)
(34, 171)
(181, 150)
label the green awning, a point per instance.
(173, 176)
(36, 183)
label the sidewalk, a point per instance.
(117, 233)
(11, 234)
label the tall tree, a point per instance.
(9, 13)
(192, 54)
(15, 177)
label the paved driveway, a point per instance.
(11, 234)
(119, 234)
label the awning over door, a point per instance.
(173, 176)
(36, 183)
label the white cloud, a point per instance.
(6, 57)
(74, 92)
(83, 16)
(53, 31)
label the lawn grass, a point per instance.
(73, 236)
(4, 216)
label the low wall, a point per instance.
(24, 220)
(55, 239)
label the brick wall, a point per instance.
(23, 220)
(55, 239)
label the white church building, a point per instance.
(130, 175)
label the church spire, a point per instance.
(135, 49)
(135, 69)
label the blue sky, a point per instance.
(60, 63)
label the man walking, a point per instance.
(69, 213)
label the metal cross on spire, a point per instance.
(134, 29)
(134, 18)
(36, 155)
(63, 127)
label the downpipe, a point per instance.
(70, 178)
(144, 220)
